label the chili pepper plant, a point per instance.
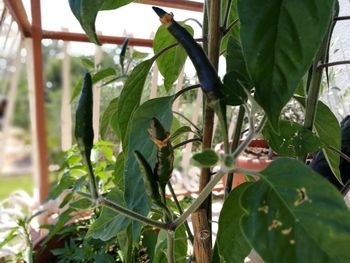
(276, 51)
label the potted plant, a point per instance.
(290, 214)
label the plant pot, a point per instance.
(254, 158)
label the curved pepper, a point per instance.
(207, 75)
(149, 179)
(165, 153)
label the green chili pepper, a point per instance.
(84, 132)
(165, 153)
(207, 75)
(149, 179)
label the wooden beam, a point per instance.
(180, 4)
(39, 101)
(19, 14)
(68, 36)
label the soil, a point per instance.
(259, 153)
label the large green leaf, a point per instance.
(280, 39)
(295, 215)
(171, 63)
(114, 4)
(235, 60)
(126, 245)
(232, 244)
(86, 12)
(131, 95)
(139, 139)
(293, 139)
(110, 222)
(180, 246)
(328, 130)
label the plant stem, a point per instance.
(187, 141)
(170, 246)
(197, 203)
(331, 64)
(92, 178)
(189, 121)
(179, 93)
(230, 26)
(315, 85)
(126, 212)
(342, 18)
(188, 230)
(235, 142)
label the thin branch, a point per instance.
(170, 47)
(188, 120)
(186, 142)
(194, 20)
(122, 210)
(180, 92)
(341, 154)
(331, 64)
(177, 203)
(201, 198)
(170, 246)
(230, 26)
(339, 18)
(131, 214)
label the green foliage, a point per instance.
(139, 139)
(86, 12)
(293, 139)
(207, 158)
(180, 246)
(171, 63)
(114, 4)
(130, 97)
(230, 234)
(279, 40)
(328, 129)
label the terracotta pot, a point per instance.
(254, 164)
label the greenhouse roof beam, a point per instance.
(19, 14)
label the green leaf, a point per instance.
(180, 131)
(235, 60)
(108, 115)
(118, 178)
(86, 12)
(230, 235)
(6, 239)
(82, 203)
(149, 241)
(171, 63)
(103, 74)
(180, 246)
(114, 4)
(295, 215)
(131, 95)
(233, 91)
(207, 158)
(139, 139)
(67, 181)
(293, 139)
(126, 245)
(328, 130)
(87, 63)
(280, 39)
(110, 222)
